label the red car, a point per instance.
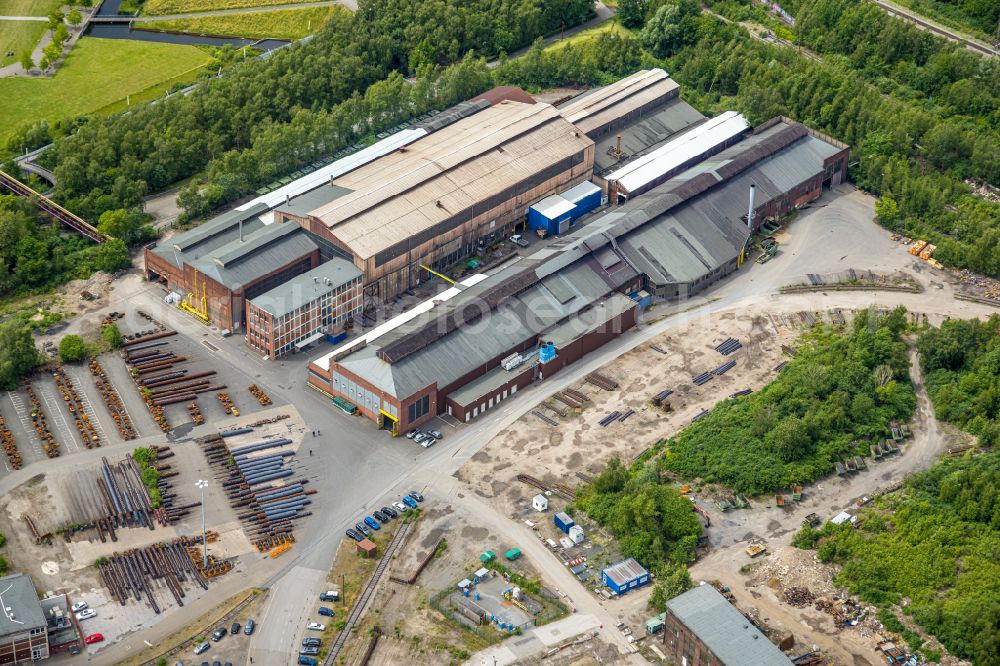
(93, 638)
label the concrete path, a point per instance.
(219, 12)
(75, 32)
(43, 19)
(601, 14)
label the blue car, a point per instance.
(323, 610)
(409, 501)
(372, 523)
(307, 661)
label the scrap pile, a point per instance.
(196, 416)
(49, 444)
(112, 401)
(9, 447)
(75, 406)
(843, 611)
(227, 404)
(251, 476)
(800, 597)
(129, 575)
(263, 398)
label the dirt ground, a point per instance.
(580, 444)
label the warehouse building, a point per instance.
(624, 576)
(23, 629)
(630, 117)
(701, 628)
(479, 343)
(443, 197)
(308, 308)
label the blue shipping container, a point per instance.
(585, 197)
(563, 521)
(334, 339)
(548, 213)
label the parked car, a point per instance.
(399, 506)
(307, 661)
(409, 502)
(435, 434)
(323, 610)
(79, 606)
(330, 595)
(218, 634)
(361, 527)
(415, 495)
(235, 629)
(428, 443)
(519, 240)
(381, 517)
(249, 627)
(216, 663)
(75, 648)
(354, 535)
(389, 511)
(309, 650)
(86, 614)
(410, 434)
(316, 626)
(202, 648)
(311, 642)
(93, 638)
(372, 523)
(421, 437)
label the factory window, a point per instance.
(418, 408)
(36, 654)
(37, 631)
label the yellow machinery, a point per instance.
(188, 304)
(279, 550)
(433, 272)
(388, 422)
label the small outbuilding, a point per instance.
(540, 503)
(464, 585)
(624, 576)
(576, 534)
(480, 575)
(367, 548)
(563, 521)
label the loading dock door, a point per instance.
(387, 421)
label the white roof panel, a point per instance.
(578, 192)
(553, 206)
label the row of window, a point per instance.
(418, 408)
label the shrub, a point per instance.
(72, 348)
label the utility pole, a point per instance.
(202, 484)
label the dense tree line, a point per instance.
(652, 521)
(35, 253)
(977, 15)
(112, 162)
(837, 392)
(931, 550)
(895, 139)
(18, 355)
(961, 364)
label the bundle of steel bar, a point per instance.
(745, 391)
(724, 368)
(728, 346)
(703, 378)
(609, 418)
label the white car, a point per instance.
(421, 437)
(86, 614)
(428, 443)
(316, 626)
(79, 606)
(399, 506)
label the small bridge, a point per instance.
(52, 208)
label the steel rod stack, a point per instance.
(112, 400)
(728, 346)
(75, 406)
(49, 444)
(703, 378)
(258, 485)
(724, 368)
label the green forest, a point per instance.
(979, 17)
(838, 391)
(929, 551)
(961, 365)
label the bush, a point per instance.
(112, 336)
(3, 565)
(806, 538)
(72, 348)
(3, 539)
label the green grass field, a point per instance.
(17, 36)
(276, 23)
(166, 7)
(610, 26)
(97, 74)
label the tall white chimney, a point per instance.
(753, 191)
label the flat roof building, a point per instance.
(297, 313)
(701, 628)
(23, 629)
(624, 576)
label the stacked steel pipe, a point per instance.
(112, 401)
(49, 444)
(75, 406)
(728, 346)
(250, 475)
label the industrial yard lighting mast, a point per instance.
(202, 484)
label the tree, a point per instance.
(128, 225)
(3, 565)
(74, 17)
(887, 210)
(60, 35)
(670, 27)
(632, 13)
(72, 348)
(670, 583)
(112, 336)
(27, 62)
(18, 355)
(55, 19)
(111, 256)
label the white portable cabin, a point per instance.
(540, 503)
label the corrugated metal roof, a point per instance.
(697, 142)
(625, 571)
(553, 206)
(324, 279)
(598, 108)
(18, 594)
(208, 237)
(723, 629)
(271, 248)
(580, 191)
(645, 133)
(458, 167)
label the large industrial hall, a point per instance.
(635, 198)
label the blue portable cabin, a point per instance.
(563, 521)
(551, 214)
(585, 197)
(624, 576)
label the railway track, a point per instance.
(366, 594)
(907, 15)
